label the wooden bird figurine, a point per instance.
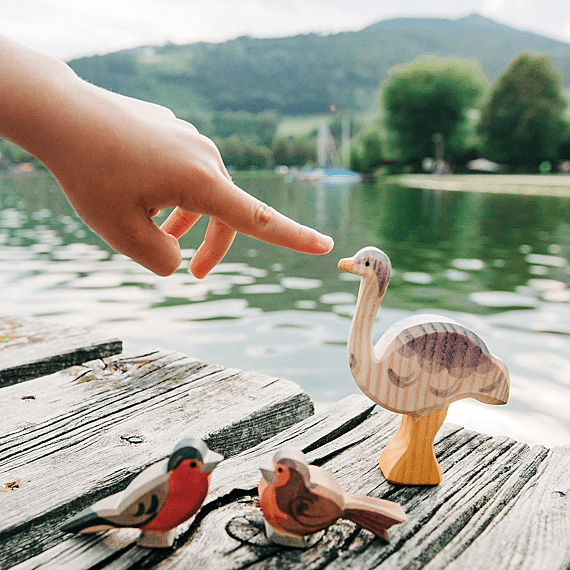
(298, 499)
(157, 500)
(419, 366)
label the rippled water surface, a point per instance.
(496, 263)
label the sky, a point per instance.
(68, 29)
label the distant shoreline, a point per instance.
(522, 184)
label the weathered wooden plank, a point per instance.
(30, 348)
(237, 476)
(532, 533)
(477, 470)
(353, 459)
(483, 477)
(90, 429)
(501, 504)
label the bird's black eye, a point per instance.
(367, 263)
(193, 465)
(280, 469)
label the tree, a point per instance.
(293, 151)
(257, 127)
(243, 155)
(367, 156)
(427, 96)
(522, 122)
(564, 148)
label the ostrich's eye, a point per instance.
(193, 465)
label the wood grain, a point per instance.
(86, 431)
(485, 479)
(533, 532)
(502, 504)
(409, 458)
(232, 480)
(32, 348)
(90, 429)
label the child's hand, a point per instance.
(120, 161)
(132, 159)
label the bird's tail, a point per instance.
(373, 514)
(86, 521)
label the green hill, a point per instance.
(305, 74)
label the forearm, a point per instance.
(76, 129)
(36, 94)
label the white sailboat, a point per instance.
(329, 170)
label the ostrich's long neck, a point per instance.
(360, 340)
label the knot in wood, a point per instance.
(12, 486)
(248, 529)
(134, 439)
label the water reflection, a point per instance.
(497, 264)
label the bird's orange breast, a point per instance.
(268, 500)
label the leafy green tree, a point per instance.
(243, 155)
(522, 122)
(366, 157)
(293, 151)
(336, 127)
(257, 127)
(427, 96)
(564, 148)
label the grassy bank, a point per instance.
(528, 184)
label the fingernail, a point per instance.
(326, 242)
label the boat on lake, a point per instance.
(329, 176)
(329, 170)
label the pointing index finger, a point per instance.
(254, 218)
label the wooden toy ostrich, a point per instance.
(418, 368)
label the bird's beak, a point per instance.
(210, 461)
(267, 472)
(346, 264)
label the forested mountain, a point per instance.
(306, 73)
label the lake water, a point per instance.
(498, 264)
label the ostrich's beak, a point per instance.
(346, 264)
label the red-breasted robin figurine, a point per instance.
(159, 499)
(298, 499)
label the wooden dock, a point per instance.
(100, 416)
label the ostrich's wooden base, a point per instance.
(409, 459)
